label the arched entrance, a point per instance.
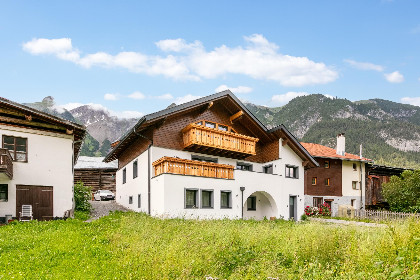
(260, 205)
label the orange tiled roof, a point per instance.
(317, 150)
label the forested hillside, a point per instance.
(388, 131)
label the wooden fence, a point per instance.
(383, 215)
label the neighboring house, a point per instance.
(95, 173)
(210, 158)
(378, 175)
(36, 161)
(339, 179)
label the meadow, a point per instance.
(136, 246)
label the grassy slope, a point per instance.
(135, 246)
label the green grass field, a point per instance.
(135, 246)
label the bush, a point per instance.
(82, 196)
(403, 193)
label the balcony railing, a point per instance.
(6, 163)
(213, 141)
(193, 168)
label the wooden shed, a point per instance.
(93, 172)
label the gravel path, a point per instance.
(344, 222)
(102, 208)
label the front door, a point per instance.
(41, 199)
(292, 207)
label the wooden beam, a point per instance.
(69, 131)
(210, 105)
(11, 112)
(305, 163)
(236, 116)
(30, 123)
(28, 118)
(285, 142)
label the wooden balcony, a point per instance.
(192, 168)
(206, 140)
(6, 164)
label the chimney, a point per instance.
(361, 148)
(341, 144)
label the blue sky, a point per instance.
(136, 57)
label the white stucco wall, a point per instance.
(168, 190)
(50, 158)
(133, 186)
(348, 176)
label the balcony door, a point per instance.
(292, 208)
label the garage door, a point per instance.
(41, 199)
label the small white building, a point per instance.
(339, 180)
(36, 161)
(210, 158)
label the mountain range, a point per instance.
(389, 132)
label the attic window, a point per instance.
(200, 123)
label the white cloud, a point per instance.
(394, 77)
(186, 98)
(239, 89)
(137, 95)
(166, 96)
(127, 114)
(329, 96)
(364, 65)
(111, 96)
(258, 59)
(283, 99)
(411, 100)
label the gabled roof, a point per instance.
(95, 163)
(12, 113)
(153, 118)
(317, 150)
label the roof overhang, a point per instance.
(155, 118)
(15, 114)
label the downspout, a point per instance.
(361, 186)
(72, 167)
(242, 204)
(148, 170)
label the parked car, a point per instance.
(104, 195)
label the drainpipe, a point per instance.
(148, 170)
(361, 186)
(242, 204)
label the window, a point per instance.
(135, 169)
(222, 127)
(225, 199)
(327, 181)
(4, 192)
(206, 159)
(207, 199)
(327, 164)
(354, 185)
(313, 180)
(251, 203)
(130, 200)
(210, 125)
(244, 166)
(318, 201)
(353, 202)
(292, 171)
(354, 166)
(200, 123)
(139, 201)
(17, 146)
(124, 175)
(191, 198)
(268, 169)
